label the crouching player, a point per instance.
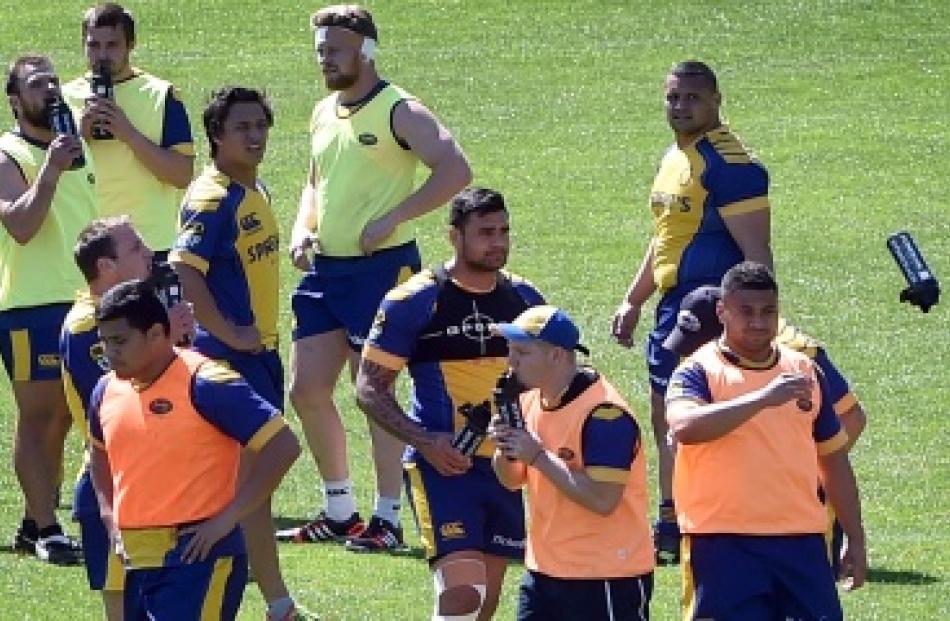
(167, 428)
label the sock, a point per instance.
(29, 527)
(339, 499)
(49, 531)
(279, 608)
(667, 511)
(388, 509)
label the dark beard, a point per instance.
(37, 117)
(340, 81)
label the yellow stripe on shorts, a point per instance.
(214, 598)
(22, 358)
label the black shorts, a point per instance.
(543, 598)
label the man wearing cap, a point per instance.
(756, 428)
(711, 210)
(589, 553)
(436, 324)
(353, 240)
(698, 323)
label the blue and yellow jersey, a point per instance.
(228, 233)
(441, 332)
(43, 271)
(125, 185)
(839, 392)
(696, 189)
(83, 357)
(362, 171)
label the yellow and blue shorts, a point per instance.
(170, 589)
(661, 362)
(345, 292)
(263, 371)
(471, 511)
(29, 341)
(748, 578)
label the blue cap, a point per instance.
(543, 323)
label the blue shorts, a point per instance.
(104, 569)
(661, 362)
(29, 341)
(745, 577)
(210, 589)
(472, 511)
(543, 598)
(344, 293)
(263, 372)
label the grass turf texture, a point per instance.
(558, 104)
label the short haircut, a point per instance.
(474, 200)
(96, 242)
(748, 276)
(220, 105)
(353, 17)
(136, 302)
(16, 66)
(696, 69)
(109, 15)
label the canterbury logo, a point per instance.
(368, 139)
(452, 530)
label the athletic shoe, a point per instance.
(294, 614)
(666, 542)
(24, 539)
(380, 536)
(59, 549)
(323, 529)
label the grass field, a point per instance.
(558, 105)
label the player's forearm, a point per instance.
(853, 420)
(168, 166)
(23, 217)
(446, 178)
(511, 473)
(306, 221)
(374, 394)
(195, 290)
(695, 424)
(574, 484)
(642, 286)
(272, 463)
(841, 490)
(101, 476)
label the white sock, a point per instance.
(388, 509)
(339, 499)
(279, 608)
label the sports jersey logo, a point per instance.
(250, 222)
(98, 353)
(191, 235)
(367, 139)
(258, 251)
(452, 530)
(565, 453)
(91, 178)
(476, 327)
(160, 406)
(48, 361)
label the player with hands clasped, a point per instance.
(580, 456)
(756, 430)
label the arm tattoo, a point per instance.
(374, 393)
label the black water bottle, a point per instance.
(922, 290)
(61, 122)
(470, 437)
(167, 287)
(102, 86)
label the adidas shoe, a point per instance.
(24, 539)
(380, 536)
(59, 549)
(666, 542)
(323, 529)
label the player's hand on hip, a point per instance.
(854, 565)
(302, 251)
(625, 321)
(246, 338)
(62, 151)
(784, 388)
(375, 232)
(205, 535)
(445, 458)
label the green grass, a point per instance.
(558, 104)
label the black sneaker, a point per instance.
(59, 549)
(323, 529)
(24, 539)
(380, 536)
(666, 542)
